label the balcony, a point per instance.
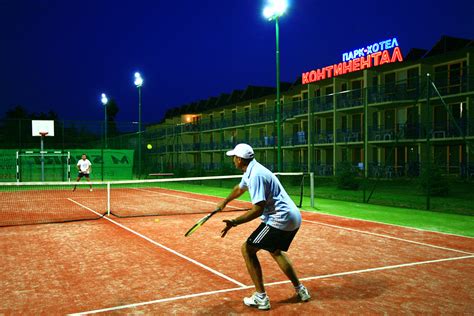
(394, 92)
(348, 136)
(294, 108)
(349, 99)
(324, 137)
(294, 140)
(265, 141)
(321, 104)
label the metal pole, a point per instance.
(139, 132)
(279, 169)
(366, 141)
(105, 126)
(42, 159)
(17, 167)
(428, 149)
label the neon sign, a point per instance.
(373, 55)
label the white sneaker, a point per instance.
(303, 294)
(255, 301)
(90, 190)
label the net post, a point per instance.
(42, 134)
(69, 166)
(108, 198)
(311, 188)
(17, 167)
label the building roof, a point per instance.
(448, 44)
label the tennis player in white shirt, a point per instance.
(85, 167)
(280, 217)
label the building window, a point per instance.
(234, 117)
(390, 85)
(412, 79)
(247, 115)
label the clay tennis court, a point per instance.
(145, 265)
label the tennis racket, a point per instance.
(200, 222)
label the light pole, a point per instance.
(138, 83)
(104, 101)
(273, 11)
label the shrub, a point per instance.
(432, 182)
(346, 177)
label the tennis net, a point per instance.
(23, 203)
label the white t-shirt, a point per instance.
(84, 165)
(280, 211)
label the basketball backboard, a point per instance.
(39, 126)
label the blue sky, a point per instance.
(61, 55)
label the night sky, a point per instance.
(61, 55)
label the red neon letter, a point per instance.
(329, 71)
(376, 57)
(347, 67)
(397, 55)
(304, 78)
(320, 74)
(385, 57)
(338, 69)
(356, 64)
(365, 62)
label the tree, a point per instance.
(112, 111)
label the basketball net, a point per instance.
(43, 134)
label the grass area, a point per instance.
(434, 221)
(404, 194)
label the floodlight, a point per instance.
(104, 99)
(275, 9)
(138, 79)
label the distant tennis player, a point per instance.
(85, 167)
(281, 220)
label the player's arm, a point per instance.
(78, 167)
(253, 213)
(237, 191)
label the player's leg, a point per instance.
(250, 248)
(283, 241)
(253, 266)
(79, 176)
(286, 266)
(89, 180)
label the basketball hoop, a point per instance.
(43, 134)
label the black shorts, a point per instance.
(81, 174)
(270, 238)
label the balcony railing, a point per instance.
(349, 135)
(324, 137)
(322, 104)
(350, 99)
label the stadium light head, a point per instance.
(138, 80)
(104, 99)
(274, 9)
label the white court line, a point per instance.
(389, 237)
(388, 224)
(184, 197)
(175, 298)
(164, 247)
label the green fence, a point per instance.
(107, 164)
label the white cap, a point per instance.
(242, 151)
